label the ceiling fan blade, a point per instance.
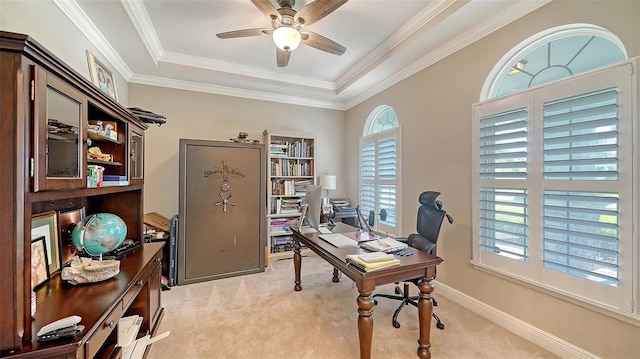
(282, 57)
(267, 8)
(317, 10)
(322, 43)
(244, 33)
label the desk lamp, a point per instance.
(327, 182)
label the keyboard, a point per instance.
(339, 240)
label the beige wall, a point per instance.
(202, 116)
(434, 109)
(49, 26)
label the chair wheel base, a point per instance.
(440, 326)
(396, 324)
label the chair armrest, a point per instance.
(401, 239)
(419, 242)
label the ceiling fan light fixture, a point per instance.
(286, 38)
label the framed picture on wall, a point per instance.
(101, 76)
(39, 262)
(46, 225)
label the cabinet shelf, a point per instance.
(300, 177)
(85, 192)
(97, 137)
(291, 158)
(63, 136)
(106, 163)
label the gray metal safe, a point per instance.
(221, 210)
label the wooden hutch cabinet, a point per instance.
(46, 109)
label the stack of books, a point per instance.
(113, 180)
(372, 261)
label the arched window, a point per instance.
(381, 118)
(380, 174)
(552, 55)
(553, 167)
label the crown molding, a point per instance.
(470, 36)
(235, 92)
(141, 21)
(422, 18)
(89, 29)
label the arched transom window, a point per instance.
(552, 55)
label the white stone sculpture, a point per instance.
(86, 270)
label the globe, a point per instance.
(99, 233)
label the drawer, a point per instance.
(132, 293)
(102, 333)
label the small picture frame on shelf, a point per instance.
(67, 221)
(39, 262)
(101, 76)
(46, 225)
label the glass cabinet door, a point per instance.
(60, 115)
(136, 154)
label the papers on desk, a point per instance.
(386, 245)
(324, 230)
(368, 263)
(339, 240)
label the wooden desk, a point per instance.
(420, 265)
(135, 290)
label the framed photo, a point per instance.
(46, 225)
(101, 76)
(39, 262)
(67, 221)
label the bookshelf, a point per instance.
(290, 169)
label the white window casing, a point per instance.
(556, 187)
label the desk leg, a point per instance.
(425, 310)
(365, 323)
(297, 263)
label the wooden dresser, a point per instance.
(47, 116)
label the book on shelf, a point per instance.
(386, 245)
(358, 261)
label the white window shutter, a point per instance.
(380, 178)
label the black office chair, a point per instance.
(430, 218)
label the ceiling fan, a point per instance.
(287, 24)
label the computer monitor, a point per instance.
(313, 201)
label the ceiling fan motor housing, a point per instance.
(287, 3)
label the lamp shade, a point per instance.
(286, 38)
(328, 182)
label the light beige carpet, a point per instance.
(261, 316)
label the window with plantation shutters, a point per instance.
(380, 169)
(580, 143)
(554, 187)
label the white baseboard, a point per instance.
(515, 325)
